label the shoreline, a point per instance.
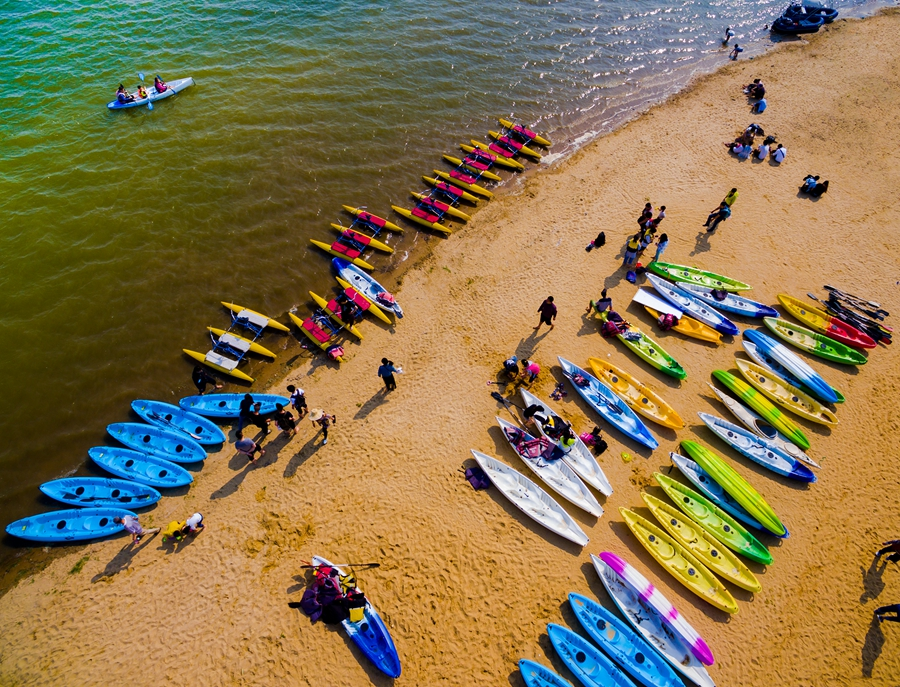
(460, 354)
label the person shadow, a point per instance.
(871, 579)
(122, 560)
(872, 646)
(376, 400)
(702, 245)
(302, 455)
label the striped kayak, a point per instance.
(730, 302)
(473, 167)
(453, 192)
(177, 419)
(824, 323)
(587, 663)
(339, 250)
(356, 237)
(240, 342)
(423, 217)
(714, 520)
(464, 181)
(694, 275)
(815, 343)
(229, 405)
(100, 492)
(489, 155)
(757, 449)
(761, 405)
(362, 302)
(736, 485)
(693, 307)
(627, 648)
(536, 675)
(441, 207)
(798, 367)
(528, 134)
(334, 312)
(679, 562)
(64, 526)
(173, 446)
(515, 146)
(367, 286)
(779, 370)
(786, 395)
(529, 498)
(137, 466)
(649, 351)
(624, 583)
(637, 395)
(609, 406)
(375, 222)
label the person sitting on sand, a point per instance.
(193, 525)
(779, 154)
(755, 89)
(809, 183)
(762, 152)
(511, 368)
(123, 96)
(174, 530)
(759, 106)
(530, 371)
(743, 151)
(598, 242)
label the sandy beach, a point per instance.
(466, 583)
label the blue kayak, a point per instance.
(140, 467)
(588, 664)
(623, 644)
(173, 418)
(229, 405)
(729, 302)
(174, 446)
(693, 307)
(610, 407)
(810, 379)
(536, 675)
(77, 524)
(779, 370)
(100, 492)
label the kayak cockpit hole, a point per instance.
(639, 657)
(79, 491)
(146, 438)
(601, 624)
(179, 448)
(104, 522)
(674, 522)
(580, 656)
(163, 473)
(364, 627)
(61, 525)
(169, 417)
(221, 404)
(129, 463)
(198, 430)
(115, 493)
(727, 528)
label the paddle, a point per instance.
(157, 416)
(505, 401)
(347, 565)
(149, 102)
(850, 296)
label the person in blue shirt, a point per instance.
(123, 96)
(760, 106)
(386, 372)
(720, 214)
(737, 51)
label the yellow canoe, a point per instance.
(462, 194)
(302, 325)
(359, 262)
(364, 239)
(238, 309)
(334, 314)
(679, 562)
(366, 216)
(706, 547)
(254, 347)
(540, 140)
(474, 188)
(507, 162)
(691, 327)
(784, 394)
(354, 294)
(641, 398)
(424, 221)
(202, 358)
(443, 207)
(525, 150)
(473, 170)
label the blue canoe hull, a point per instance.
(372, 637)
(65, 526)
(172, 446)
(794, 364)
(586, 662)
(100, 492)
(175, 419)
(229, 405)
(133, 465)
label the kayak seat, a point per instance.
(419, 212)
(466, 178)
(220, 360)
(318, 333)
(343, 249)
(357, 299)
(448, 188)
(476, 164)
(333, 306)
(234, 342)
(253, 318)
(355, 236)
(500, 150)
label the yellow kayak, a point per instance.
(320, 337)
(641, 398)
(496, 158)
(786, 395)
(820, 321)
(374, 220)
(523, 149)
(691, 327)
(362, 301)
(333, 310)
(420, 216)
(526, 133)
(238, 309)
(450, 188)
(679, 562)
(473, 169)
(703, 545)
(443, 207)
(354, 235)
(254, 347)
(345, 253)
(454, 178)
(209, 359)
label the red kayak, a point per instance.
(848, 334)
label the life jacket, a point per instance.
(335, 352)
(385, 297)
(666, 321)
(610, 329)
(634, 244)
(579, 380)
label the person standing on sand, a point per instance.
(893, 548)
(646, 214)
(548, 313)
(247, 446)
(285, 421)
(731, 197)
(324, 420)
(880, 613)
(720, 214)
(661, 246)
(132, 525)
(386, 372)
(530, 372)
(249, 414)
(631, 250)
(660, 217)
(298, 401)
(201, 378)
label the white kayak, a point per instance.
(173, 87)
(693, 307)
(367, 286)
(729, 302)
(579, 457)
(555, 473)
(529, 498)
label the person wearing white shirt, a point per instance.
(779, 154)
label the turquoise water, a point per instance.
(122, 231)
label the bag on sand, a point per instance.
(477, 478)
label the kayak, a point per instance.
(822, 322)
(714, 520)
(318, 331)
(375, 222)
(679, 562)
(660, 620)
(488, 155)
(761, 428)
(177, 419)
(162, 443)
(219, 363)
(779, 370)
(100, 492)
(514, 146)
(579, 457)
(693, 307)
(254, 317)
(704, 546)
(474, 167)
(626, 647)
(137, 466)
(609, 406)
(334, 312)
(761, 405)
(340, 250)
(757, 449)
(529, 498)
(367, 286)
(370, 634)
(554, 473)
(638, 396)
(536, 675)
(362, 302)
(786, 395)
(729, 302)
(240, 342)
(735, 485)
(694, 275)
(229, 405)
(648, 350)
(423, 217)
(688, 326)
(352, 235)
(812, 342)
(465, 181)
(502, 153)
(525, 133)
(438, 206)
(174, 86)
(451, 191)
(798, 367)
(79, 524)
(587, 663)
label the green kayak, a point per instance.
(694, 275)
(714, 520)
(815, 343)
(764, 407)
(648, 350)
(737, 486)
